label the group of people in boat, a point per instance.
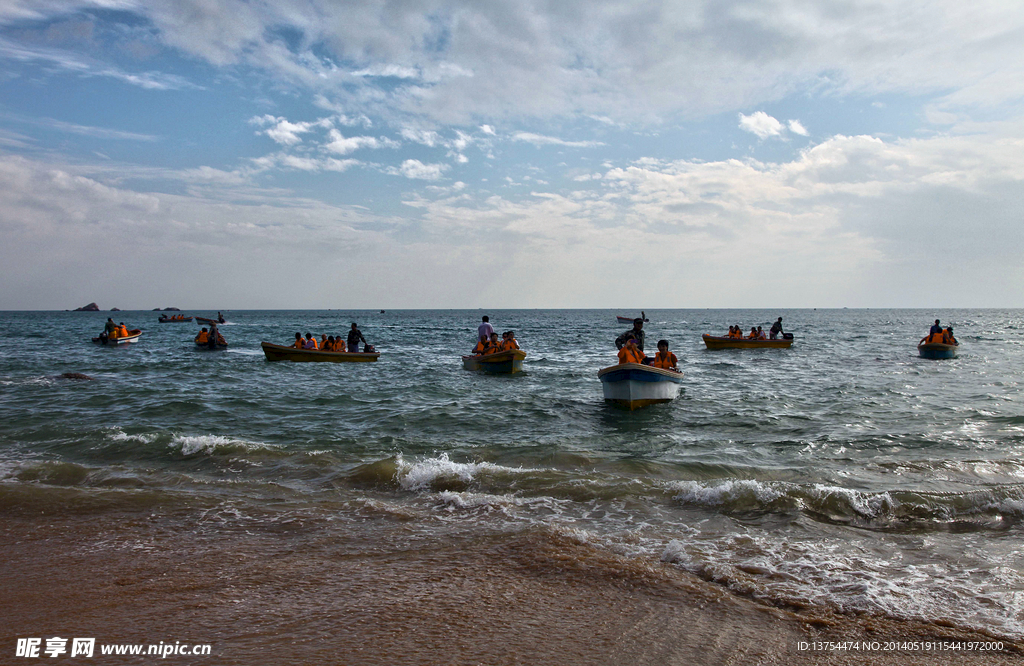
(112, 331)
(177, 317)
(487, 339)
(631, 349)
(210, 338)
(756, 332)
(937, 334)
(331, 343)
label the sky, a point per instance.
(230, 154)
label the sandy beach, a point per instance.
(292, 595)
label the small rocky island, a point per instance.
(92, 307)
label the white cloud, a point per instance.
(487, 129)
(426, 137)
(796, 127)
(541, 140)
(761, 124)
(418, 170)
(343, 145)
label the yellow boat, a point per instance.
(714, 342)
(500, 363)
(282, 353)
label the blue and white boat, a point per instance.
(633, 385)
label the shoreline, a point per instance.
(305, 594)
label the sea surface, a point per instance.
(844, 473)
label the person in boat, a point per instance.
(203, 337)
(630, 352)
(484, 330)
(947, 337)
(328, 344)
(776, 329)
(760, 334)
(122, 330)
(735, 331)
(355, 336)
(220, 318)
(637, 333)
(481, 346)
(934, 337)
(753, 333)
(509, 341)
(298, 341)
(493, 346)
(664, 359)
(310, 342)
(216, 338)
(936, 328)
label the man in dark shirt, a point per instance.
(637, 332)
(354, 336)
(935, 328)
(776, 329)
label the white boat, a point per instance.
(132, 337)
(633, 385)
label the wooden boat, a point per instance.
(210, 322)
(164, 319)
(133, 336)
(282, 353)
(722, 342)
(629, 320)
(501, 363)
(206, 345)
(633, 385)
(937, 350)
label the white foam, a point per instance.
(118, 435)
(208, 444)
(695, 492)
(420, 475)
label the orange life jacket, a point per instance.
(203, 338)
(481, 347)
(299, 344)
(509, 344)
(305, 344)
(627, 355)
(666, 363)
(122, 331)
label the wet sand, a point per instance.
(305, 594)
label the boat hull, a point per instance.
(208, 347)
(714, 342)
(937, 350)
(209, 322)
(133, 337)
(281, 353)
(184, 320)
(632, 385)
(502, 363)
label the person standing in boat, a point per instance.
(936, 328)
(484, 330)
(354, 337)
(637, 333)
(776, 329)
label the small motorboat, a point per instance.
(133, 336)
(500, 363)
(175, 319)
(284, 353)
(632, 385)
(937, 350)
(724, 342)
(210, 322)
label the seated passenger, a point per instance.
(481, 346)
(122, 330)
(298, 341)
(203, 337)
(760, 334)
(508, 341)
(328, 344)
(947, 336)
(753, 334)
(630, 353)
(310, 342)
(493, 346)
(664, 359)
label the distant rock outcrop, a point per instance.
(92, 307)
(167, 309)
(115, 309)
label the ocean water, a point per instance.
(844, 473)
